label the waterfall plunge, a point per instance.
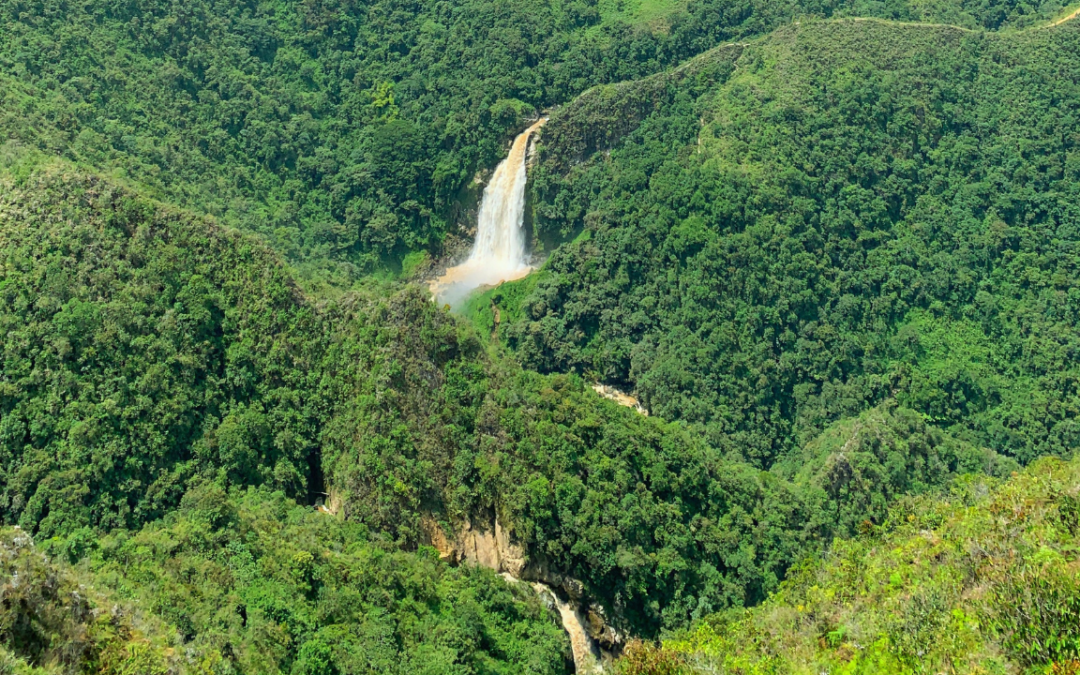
(498, 253)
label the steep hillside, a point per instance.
(983, 580)
(149, 352)
(347, 133)
(254, 583)
(785, 232)
(51, 624)
(837, 263)
(143, 347)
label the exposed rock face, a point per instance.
(530, 150)
(620, 397)
(445, 547)
(601, 633)
(593, 641)
(492, 548)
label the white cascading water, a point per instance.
(498, 254)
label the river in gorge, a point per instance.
(490, 545)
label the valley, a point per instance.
(486, 337)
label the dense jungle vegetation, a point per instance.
(981, 580)
(150, 353)
(253, 583)
(837, 261)
(782, 234)
(348, 133)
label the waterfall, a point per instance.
(498, 254)
(489, 545)
(588, 658)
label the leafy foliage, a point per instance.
(788, 232)
(50, 624)
(137, 356)
(838, 263)
(345, 132)
(981, 580)
(195, 360)
(255, 583)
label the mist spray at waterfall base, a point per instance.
(498, 254)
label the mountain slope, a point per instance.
(50, 623)
(133, 332)
(151, 351)
(347, 133)
(983, 580)
(785, 232)
(836, 262)
(254, 583)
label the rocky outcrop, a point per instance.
(602, 634)
(620, 397)
(437, 538)
(492, 548)
(489, 544)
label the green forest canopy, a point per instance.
(784, 233)
(837, 262)
(150, 352)
(253, 583)
(347, 133)
(979, 580)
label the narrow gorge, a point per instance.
(488, 544)
(498, 255)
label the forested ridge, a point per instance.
(836, 261)
(980, 580)
(139, 371)
(782, 233)
(345, 133)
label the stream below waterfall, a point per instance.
(587, 656)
